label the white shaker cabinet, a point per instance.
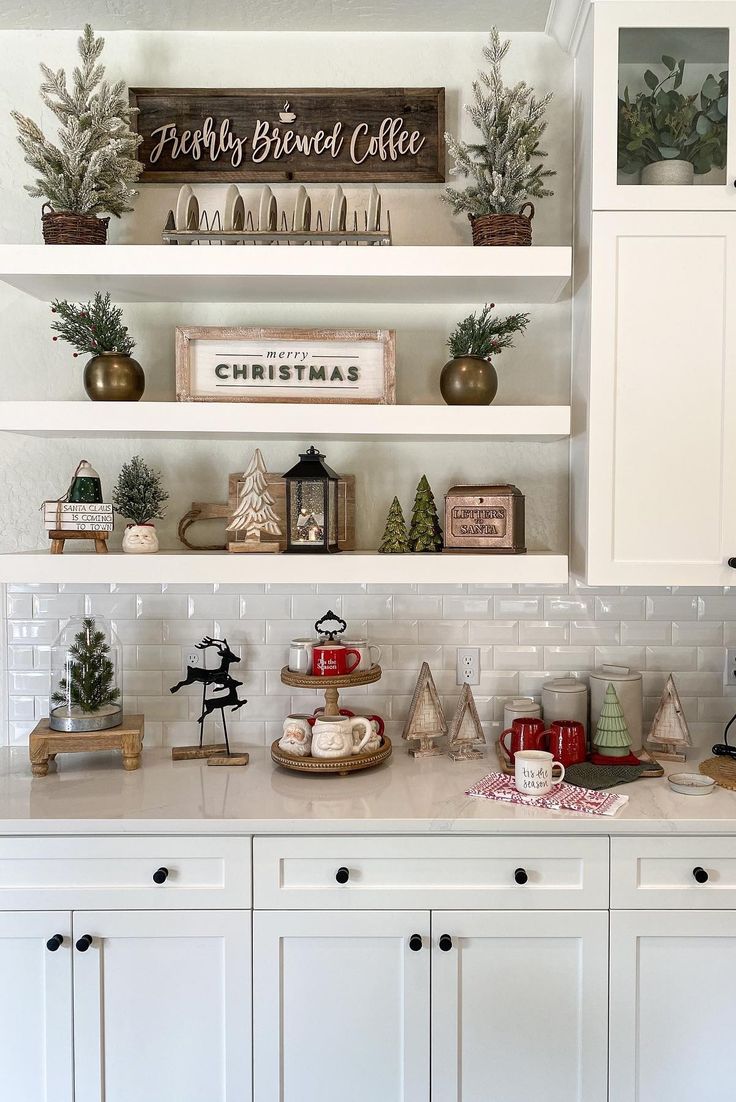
(673, 978)
(36, 1006)
(341, 1006)
(162, 1006)
(656, 386)
(519, 1006)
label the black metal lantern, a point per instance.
(311, 505)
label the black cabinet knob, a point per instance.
(445, 943)
(161, 875)
(55, 943)
(732, 562)
(84, 943)
(521, 876)
(342, 875)
(700, 875)
(415, 943)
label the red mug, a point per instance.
(526, 734)
(566, 741)
(331, 660)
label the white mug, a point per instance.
(340, 736)
(300, 655)
(365, 649)
(533, 772)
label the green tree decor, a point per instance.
(425, 533)
(94, 166)
(138, 493)
(612, 737)
(92, 327)
(90, 681)
(395, 539)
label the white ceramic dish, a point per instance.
(187, 210)
(234, 209)
(302, 211)
(374, 210)
(691, 784)
(267, 213)
(338, 210)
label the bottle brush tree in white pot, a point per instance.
(139, 496)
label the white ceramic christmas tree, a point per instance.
(669, 736)
(254, 515)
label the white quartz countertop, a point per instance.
(92, 794)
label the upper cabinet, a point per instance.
(664, 124)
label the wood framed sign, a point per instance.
(300, 134)
(242, 364)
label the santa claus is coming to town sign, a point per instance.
(302, 134)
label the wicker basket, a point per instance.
(65, 228)
(503, 229)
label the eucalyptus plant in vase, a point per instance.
(96, 328)
(469, 378)
(668, 136)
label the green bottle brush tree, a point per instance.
(88, 685)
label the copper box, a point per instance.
(485, 518)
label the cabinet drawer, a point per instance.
(493, 873)
(657, 873)
(94, 873)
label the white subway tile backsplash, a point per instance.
(526, 635)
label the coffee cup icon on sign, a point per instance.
(286, 114)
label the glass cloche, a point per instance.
(86, 677)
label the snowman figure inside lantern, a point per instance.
(311, 505)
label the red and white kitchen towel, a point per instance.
(563, 797)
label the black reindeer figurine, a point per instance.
(223, 694)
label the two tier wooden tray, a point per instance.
(330, 686)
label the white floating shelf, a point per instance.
(312, 273)
(275, 419)
(190, 567)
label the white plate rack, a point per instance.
(191, 224)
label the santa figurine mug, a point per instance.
(334, 660)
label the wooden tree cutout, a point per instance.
(426, 719)
(466, 731)
(669, 734)
(254, 512)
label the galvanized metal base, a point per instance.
(84, 724)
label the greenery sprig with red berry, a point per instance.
(92, 327)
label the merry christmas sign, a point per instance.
(241, 364)
(299, 134)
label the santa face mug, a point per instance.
(340, 736)
(533, 772)
(297, 736)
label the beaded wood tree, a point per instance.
(612, 738)
(254, 516)
(426, 719)
(425, 533)
(395, 538)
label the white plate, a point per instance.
(267, 213)
(302, 210)
(691, 784)
(186, 216)
(374, 210)
(233, 209)
(338, 210)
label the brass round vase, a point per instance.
(114, 377)
(468, 381)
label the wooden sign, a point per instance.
(300, 134)
(242, 364)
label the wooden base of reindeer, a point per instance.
(228, 759)
(190, 753)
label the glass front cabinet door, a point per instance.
(664, 123)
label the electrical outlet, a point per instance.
(468, 665)
(193, 658)
(729, 673)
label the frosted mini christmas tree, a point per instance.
(612, 738)
(254, 515)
